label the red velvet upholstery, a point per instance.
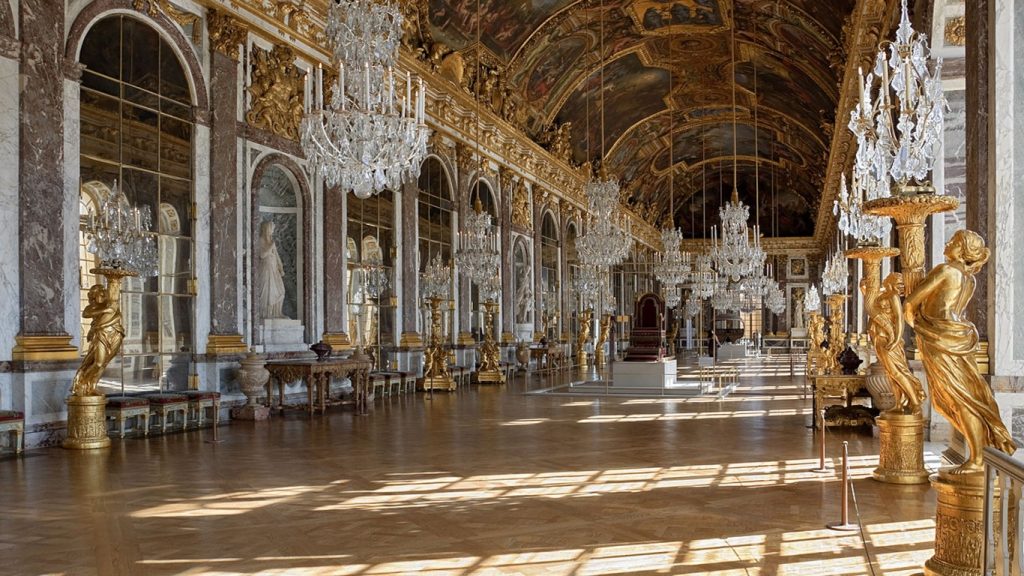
(126, 402)
(165, 398)
(9, 415)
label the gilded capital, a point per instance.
(226, 34)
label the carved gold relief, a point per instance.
(276, 92)
(226, 34)
(956, 31)
(179, 16)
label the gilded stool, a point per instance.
(121, 408)
(14, 423)
(165, 404)
(199, 401)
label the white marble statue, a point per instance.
(524, 295)
(798, 309)
(269, 275)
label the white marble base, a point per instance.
(798, 333)
(524, 332)
(732, 352)
(283, 335)
(644, 374)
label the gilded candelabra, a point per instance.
(583, 338)
(490, 366)
(436, 375)
(836, 333)
(815, 335)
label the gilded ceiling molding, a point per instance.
(872, 20)
(780, 246)
(179, 16)
(226, 34)
(276, 89)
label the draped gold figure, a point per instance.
(105, 336)
(947, 342)
(886, 331)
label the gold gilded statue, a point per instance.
(886, 331)
(104, 337)
(947, 342)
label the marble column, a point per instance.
(538, 270)
(507, 271)
(225, 321)
(410, 265)
(43, 334)
(335, 251)
(977, 147)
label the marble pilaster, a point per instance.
(538, 276)
(977, 147)
(10, 272)
(41, 184)
(507, 267)
(409, 261)
(225, 321)
(334, 252)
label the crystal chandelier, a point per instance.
(476, 253)
(119, 235)
(672, 267)
(692, 306)
(897, 136)
(735, 256)
(375, 279)
(437, 279)
(775, 300)
(550, 301)
(490, 288)
(833, 280)
(865, 228)
(672, 297)
(369, 137)
(812, 301)
(587, 285)
(703, 277)
(607, 239)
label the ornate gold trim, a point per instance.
(218, 344)
(226, 33)
(337, 340)
(411, 340)
(466, 339)
(956, 31)
(179, 16)
(43, 348)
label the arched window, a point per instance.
(137, 130)
(371, 246)
(549, 279)
(482, 192)
(434, 211)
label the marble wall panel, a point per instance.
(10, 308)
(41, 164)
(224, 229)
(201, 236)
(72, 162)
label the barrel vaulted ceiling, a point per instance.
(675, 143)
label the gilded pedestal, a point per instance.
(87, 423)
(490, 366)
(901, 451)
(436, 375)
(959, 522)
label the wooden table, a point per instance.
(317, 375)
(843, 386)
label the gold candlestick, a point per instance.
(602, 337)
(816, 335)
(836, 333)
(87, 424)
(583, 337)
(436, 375)
(490, 366)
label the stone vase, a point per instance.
(252, 379)
(877, 383)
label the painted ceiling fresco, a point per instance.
(668, 77)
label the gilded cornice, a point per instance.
(227, 35)
(772, 246)
(181, 17)
(450, 109)
(871, 22)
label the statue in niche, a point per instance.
(105, 336)
(948, 341)
(270, 275)
(798, 308)
(886, 330)
(524, 295)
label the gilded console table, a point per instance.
(317, 374)
(843, 386)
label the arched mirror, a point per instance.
(137, 130)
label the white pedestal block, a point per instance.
(644, 374)
(732, 351)
(283, 335)
(798, 333)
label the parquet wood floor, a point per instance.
(486, 481)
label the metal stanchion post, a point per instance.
(821, 447)
(844, 522)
